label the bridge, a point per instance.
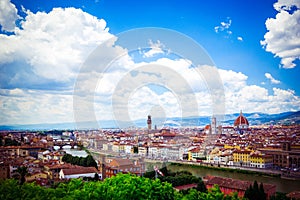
(61, 143)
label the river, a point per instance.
(73, 152)
(282, 185)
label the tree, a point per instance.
(127, 186)
(90, 162)
(279, 196)
(82, 161)
(135, 150)
(96, 177)
(22, 172)
(10, 142)
(249, 193)
(201, 186)
(255, 193)
(121, 186)
(262, 193)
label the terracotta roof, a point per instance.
(241, 120)
(233, 183)
(294, 195)
(195, 150)
(121, 162)
(185, 187)
(242, 151)
(61, 166)
(207, 127)
(82, 170)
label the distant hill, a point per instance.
(253, 118)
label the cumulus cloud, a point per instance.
(8, 15)
(270, 77)
(39, 63)
(286, 5)
(239, 94)
(21, 106)
(50, 47)
(282, 38)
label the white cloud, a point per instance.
(224, 29)
(235, 81)
(8, 15)
(224, 26)
(286, 5)
(155, 48)
(52, 45)
(38, 65)
(282, 38)
(239, 38)
(253, 98)
(270, 77)
(146, 99)
(34, 106)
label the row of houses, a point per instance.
(242, 158)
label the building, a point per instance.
(195, 154)
(213, 125)
(79, 172)
(36, 176)
(53, 170)
(119, 165)
(186, 187)
(241, 157)
(14, 151)
(149, 122)
(261, 161)
(294, 195)
(4, 171)
(241, 122)
(286, 156)
(228, 186)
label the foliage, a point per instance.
(122, 186)
(279, 196)
(135, 149)
(9, 142)
(255, 193)
(213, 194)
(178, 178)
(82, 161)
(22, 172)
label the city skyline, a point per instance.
(253, 45)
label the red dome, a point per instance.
(241, 120)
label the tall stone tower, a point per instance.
(149, 122)
(213, 125)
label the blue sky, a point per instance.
(259, 70)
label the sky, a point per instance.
(66, 61)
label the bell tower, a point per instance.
(149, 122)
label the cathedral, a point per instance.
(241, 122)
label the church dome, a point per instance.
(241, 121)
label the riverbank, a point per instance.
(232, 170)
(282, 184)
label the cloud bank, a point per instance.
(39, 64)
(283, 36)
